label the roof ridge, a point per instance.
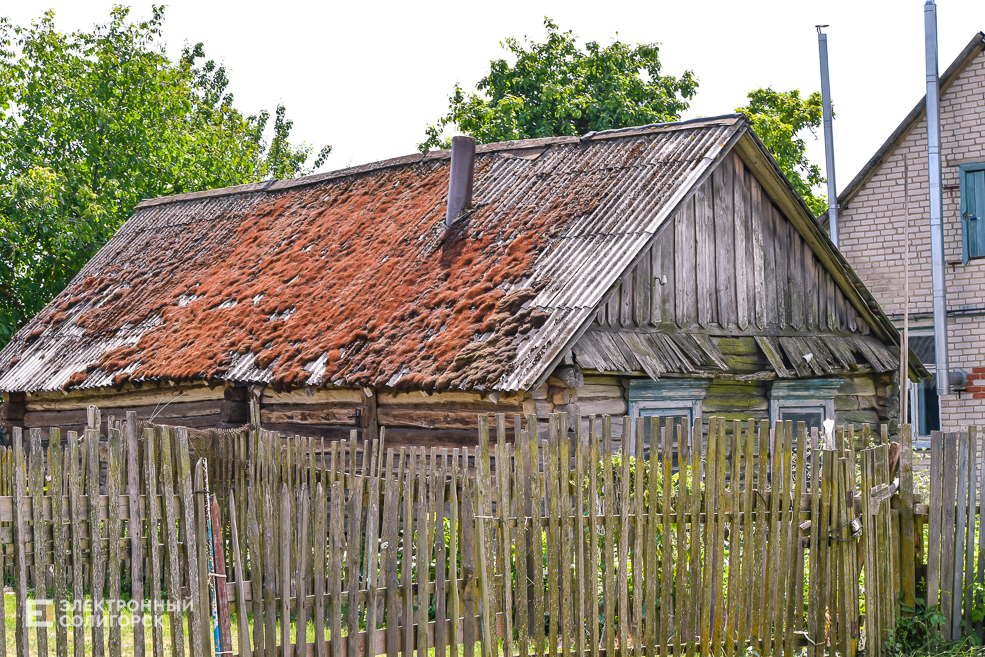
(443, 154)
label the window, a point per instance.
(972, 179)
(669, 398)
(811, 401)
(924, 406)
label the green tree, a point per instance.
(92, 122)
(779, 119)
(557, 88)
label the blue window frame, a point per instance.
(972, 179)
(675, 399)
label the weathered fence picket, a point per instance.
(682, 540)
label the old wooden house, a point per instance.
(663, 270)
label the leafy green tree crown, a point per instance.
(557, 88)
(778, 118)
(92, 122)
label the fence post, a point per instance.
(907, 539)
(20, 545)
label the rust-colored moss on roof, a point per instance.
(358, 269)
(350, 279)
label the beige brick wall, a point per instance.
(872, 234)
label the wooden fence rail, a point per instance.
(711, 538)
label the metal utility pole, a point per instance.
(829, 143)
(936, 200)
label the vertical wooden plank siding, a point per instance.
(684, 271)
(705, 255)
(725, 247)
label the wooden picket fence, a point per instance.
(956, 542)
(711, 539)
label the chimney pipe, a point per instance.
(460, 177)
(936, 201)
(829, 143)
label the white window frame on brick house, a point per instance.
(920, 392)
(972, 183)
(804, 396)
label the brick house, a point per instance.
(872, 236)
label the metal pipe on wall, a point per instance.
(829, 143)
(936, 200)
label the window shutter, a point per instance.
(972, 211)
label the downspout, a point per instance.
(936, 201)
(829, 143)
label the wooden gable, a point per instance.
(729, 262)
(730, 285)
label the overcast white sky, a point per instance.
(367, 77)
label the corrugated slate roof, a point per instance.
(349, 278)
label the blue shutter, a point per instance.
(972, 180)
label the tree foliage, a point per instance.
(557, 88)
(779, 118)
(92, 122)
